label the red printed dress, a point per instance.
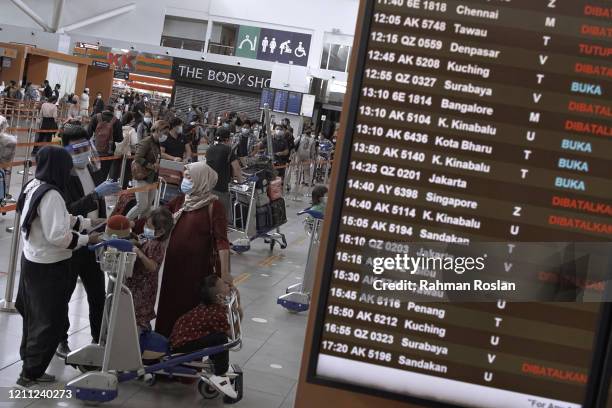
(143, 284)
(199, 322)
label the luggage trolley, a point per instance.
(297, 296)
(119, 355)
(251, 216)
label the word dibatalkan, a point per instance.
(455, 163)
(564, 375)
(592, 108)
(591, 69)
(586, 127)
(582, 205)
(580, 224)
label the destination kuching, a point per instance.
(437, 285)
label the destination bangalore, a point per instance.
(411, 264)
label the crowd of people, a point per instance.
(64, 204)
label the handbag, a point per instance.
(139, 172)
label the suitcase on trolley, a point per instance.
(279, 212)
(263, 219)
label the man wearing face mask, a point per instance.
(176, 147)
(98, 106)
(279, 148)
(245, 141)
(145, 168)
(84, 195)
(222, 159)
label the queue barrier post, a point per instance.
(122, 173)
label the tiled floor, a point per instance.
(271, 352)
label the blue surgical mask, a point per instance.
(226, 125)
(186, 186)
(148, 233)
(80, 160)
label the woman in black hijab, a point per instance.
(49, 235)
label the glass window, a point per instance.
(223, 39)
(335, 57)
(325, 56)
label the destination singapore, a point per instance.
(436, 285)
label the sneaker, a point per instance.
(62, 350)
(224, 385)
(24, 383)
(46, 378)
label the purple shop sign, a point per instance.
(284, 46)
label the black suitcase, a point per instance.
(279, 213)
(263, 219)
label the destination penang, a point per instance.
(436, 285)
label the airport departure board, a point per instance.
(471, 121)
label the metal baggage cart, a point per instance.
(243, 204)
(297, 296)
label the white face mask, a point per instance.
(245, 131)
(80, 160)
(147, 120)
(148, 233)
(163, 138)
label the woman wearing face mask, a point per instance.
(49, 235)
(200, 226)
(145, 168)
(176, 147)
(144, 128)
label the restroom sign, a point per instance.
(273, 45)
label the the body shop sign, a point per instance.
(225, 76)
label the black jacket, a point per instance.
(77, 202)
(98, 106)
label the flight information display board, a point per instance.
(280, 101)
(473, 121)
(267, 96)
(294, 103)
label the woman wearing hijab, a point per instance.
(200, 227)
(49, 234)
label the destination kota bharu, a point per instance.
(436, 285)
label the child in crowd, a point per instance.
(319, 199)
(206, 325)
(150, 250)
